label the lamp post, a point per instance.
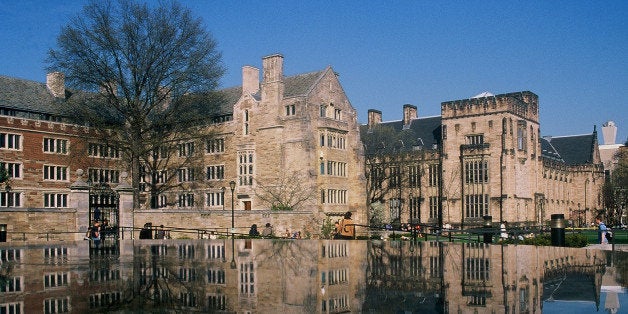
(223, 197)
(232, 187)
(410, 204)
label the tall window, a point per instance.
(433, 207)
(395, 207)
(395, 177)
(414, 176)
(10, 141)
(215, 199)
(476, 171)
(247, 279)
(290, 110)
(246, 161)
(434, 174)
(415, 209)
(246, 122)
(476, 205)
(323, 111)
(102, 150)
(521, 135)
(55, 145)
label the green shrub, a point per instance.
(280, 207)
(576, 240)
(539, 240)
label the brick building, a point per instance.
(266, 136)
(483, 156)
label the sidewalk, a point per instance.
(608, 247)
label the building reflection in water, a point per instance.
(299, 276)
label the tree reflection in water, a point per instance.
(301, 276)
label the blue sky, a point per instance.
(573, 54)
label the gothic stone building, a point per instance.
(482, 156)
(291, 129)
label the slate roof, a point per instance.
(424, 132)
(31, 96)
(572, 150)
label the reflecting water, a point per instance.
(309, 276)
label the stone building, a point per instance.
(295, 134)
(483, 156)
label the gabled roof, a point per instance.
(25, 95)
(573, 150)
(421, 132)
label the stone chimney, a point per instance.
(272, 82)
(375, 117)
(609, 133)
(55, 82)
(250, 80)
(409, 114)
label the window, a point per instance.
(334, 196)
(433, 207)
(215, 146)
(11, 284)
(185, 174)
(290, 110)
(215, 199)
(323, 111)
(10, 141)
(415, 208)
(187, 274)
(104, 175)
(476, 139)
(14, 169)
(216, 302)
(477, 269)
(56, 279)
(105, 299)
(247, 279)
(246, 122)
(186, 200)
(521, 135)
(476, 205)
(10, 255)
(337, 114)
(395, 207)
(216, 251)
(414, 176)
(55, 145)
(102, 151)
(12, 307)
(476, 171)
(55, 173)
(395, 177)
(216, 172)
(10, 199)
(57, 305)
(55, 200)
(215, 276)
(160, 152)
(186, 149)
(434, 174)
(245, 167)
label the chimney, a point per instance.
(273, 68)
(250, 80)
(409, 114)
(272, 81)
(609, 132)
(55, 82)
(375, 117)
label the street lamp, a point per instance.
(223, 197)
(411, 217)
(233, 262)
(232, 185)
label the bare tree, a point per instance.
(286, 192)
(147, 72)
